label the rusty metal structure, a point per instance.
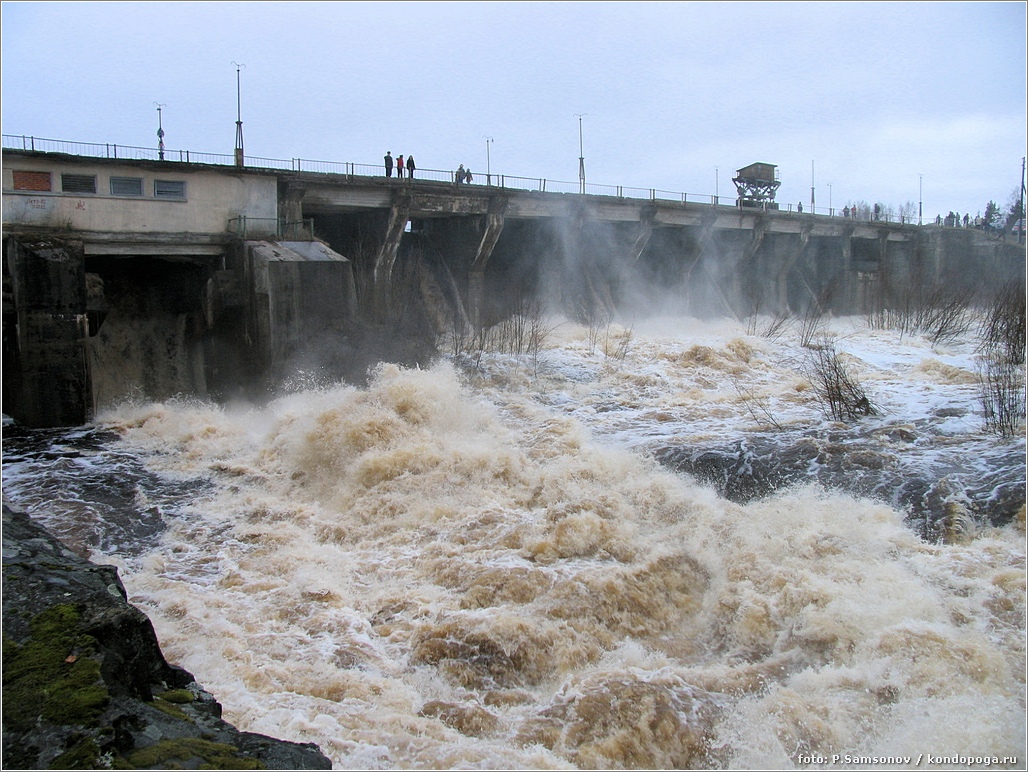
(757, 185)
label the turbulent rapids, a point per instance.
(484, 564)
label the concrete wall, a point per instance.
(46, 374)
(298, 303)
(211, 198)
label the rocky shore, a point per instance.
(85, 685)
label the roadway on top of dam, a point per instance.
(326, 193)
(315, 187)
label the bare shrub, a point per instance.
(813, 321)
(521, 332)
(942, 313)
(945, 315)
(756, 300)
(616, 345)
(1002, 331)
(1001, 391)
(757, 406)
(597, 322)
(841, 396)
(460, 335)
(1000, 364)
(777, 326)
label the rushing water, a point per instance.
(485, 566)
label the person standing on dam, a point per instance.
(389, 163)
(410, 166)
(399, 166)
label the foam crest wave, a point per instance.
(418, 574)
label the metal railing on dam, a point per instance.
(349, 169)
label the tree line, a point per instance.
(995, 217)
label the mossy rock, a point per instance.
(83, 753)
(188, 751)
(52, 675)
(179, 696)
(171, 709)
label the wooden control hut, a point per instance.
(757, 185)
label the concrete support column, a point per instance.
(476, 296)
(290, 203)
(746, 266)
(399, 216)
(643, 233)
(46, 371)
(476, 278)
(785, 265)
(493, 228)
(855, 290)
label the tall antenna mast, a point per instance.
(160, 132)
(239, 118)
(581, 155)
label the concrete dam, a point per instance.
(137, 278)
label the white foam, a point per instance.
(510, 552)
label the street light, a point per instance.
(160, 132)
(715, 185)
(488, 163)
(581, 155)
(812, 187)
(830, 200)
(239, 118)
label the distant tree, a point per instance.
(1015, 208)
(886, 211)
(908, 212)
(861, 210)
(992, 214)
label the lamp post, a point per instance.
(830, 214)
(715, 185)
(812, 187)
(160, 132)
(581, 155)
(488, 162)
(239, 118)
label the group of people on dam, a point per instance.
(401, 165)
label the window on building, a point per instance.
(39, 181)
(126, 186)
(78, 183)
(169, 188)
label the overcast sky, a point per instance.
(877, 99)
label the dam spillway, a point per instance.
(153, 279)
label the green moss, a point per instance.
(50, 675)
(179, 695)
(83, 754)
(186, 749)
(171, 709)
